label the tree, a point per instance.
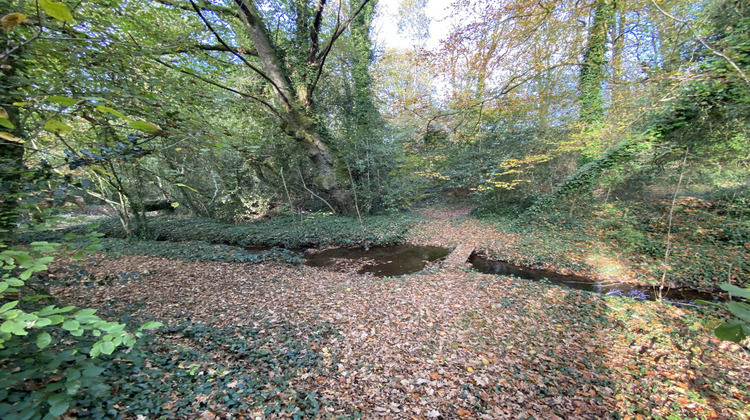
(293, 76)
(594, 59)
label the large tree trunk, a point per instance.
(301, 128)
(295, 109)
(592, 70)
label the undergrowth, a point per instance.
(190, 368)
(628, 239)
(181, 371)
(197, 251)
(287, 231)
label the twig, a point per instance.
(354, 190)
(704, 43)
(288, 196)
(315, 195)
(669, 228)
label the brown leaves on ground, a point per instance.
(453, 344)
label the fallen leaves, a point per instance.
(448, 343)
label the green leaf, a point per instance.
(731, 331)
(58, 403)
(107, 110)
(92, 370)
(83, 312)
(739, 309)
(71, 325)
(15, 327)
(8, 306)
(108, 347)
(62, 100)
(144, 126)
(6, 123)
(96, 349)
(3, 286)
(44, 260)
(43, 322)
(735, 291)
(57, 126)
(57, 10)
(150, 325)
(12, 281)
(43, 340)
(72, 374)
(7, 326)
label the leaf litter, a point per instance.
(444, 343)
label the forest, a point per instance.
(402, 209)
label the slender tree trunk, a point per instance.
(11, 152)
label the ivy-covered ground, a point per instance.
(610, 242)
(277, 340)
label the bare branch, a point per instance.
(704, 43)
(266, 51)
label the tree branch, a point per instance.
(266, 52)
(315, 32)
(203, 6)
(222, 48)
(704, 43)
(221, 41)
(321, 60)
(218, 85)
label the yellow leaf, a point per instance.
(57, 10)
(11, 20)
(470, 369)
(101, 171)
(144, 126)
(3, 113)
(108, 110)
(10, 137)
(57, 126)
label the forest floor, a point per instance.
(277, 340)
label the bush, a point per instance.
(286, 231)
(49, 353)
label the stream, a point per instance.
(395, 260)
(398, 260)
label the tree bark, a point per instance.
(11, 152)
(294, 113)
(594, 58)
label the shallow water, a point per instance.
(487, 266)
(395, 260)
